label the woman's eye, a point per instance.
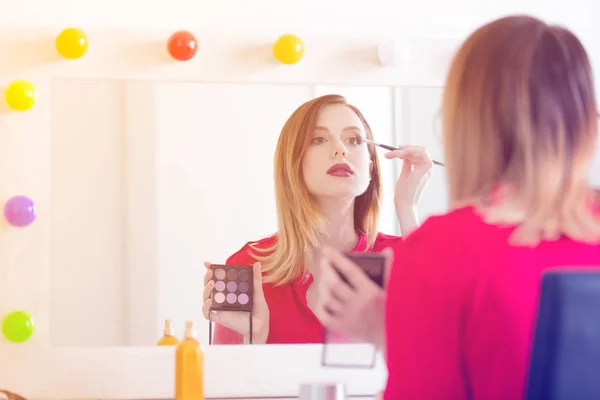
(355, 141)
(318, 140)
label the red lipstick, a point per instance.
(341, 170)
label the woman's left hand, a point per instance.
(355, 309)
(416, 171)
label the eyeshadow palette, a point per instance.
(233, 288)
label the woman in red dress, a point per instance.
(519, 129)
(328, 191)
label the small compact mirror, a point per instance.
(340, 350)
(233, 291)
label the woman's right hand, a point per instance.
(235, 320)
(355, 306)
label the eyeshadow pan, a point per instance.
(220, 286)
(243, 287)
(231, 298)
(243, 298)
(219, 297)
(232, 274)
(232, 286)
(244, 275)
(220, 273)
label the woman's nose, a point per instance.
(338, 149)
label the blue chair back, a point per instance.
(565, 361)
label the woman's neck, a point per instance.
(339, 218)
(339, 227)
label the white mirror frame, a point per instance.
(38, 371)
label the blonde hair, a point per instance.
(301, 227)
(519, 112)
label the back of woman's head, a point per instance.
(520, 129)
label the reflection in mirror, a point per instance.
(153, 181)
(595, 170)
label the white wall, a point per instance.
(340, 51)
(350, 18)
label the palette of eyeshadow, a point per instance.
(233, 288)
(233, 291)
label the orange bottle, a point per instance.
(189, 367)
(168, 338)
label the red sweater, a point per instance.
(291, 321)
(462, 308)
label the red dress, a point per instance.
(462, 307)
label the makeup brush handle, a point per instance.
(391, 148)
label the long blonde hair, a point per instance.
(519, 112)
(301, 228)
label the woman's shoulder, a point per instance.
(383, 240)
(246, 255)
(441, 251)
(455, 220)
(455, 223)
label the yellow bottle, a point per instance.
(189, 363)
(168, 338)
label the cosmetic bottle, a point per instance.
(168, 338)
(189, 367)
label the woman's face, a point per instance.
(335, 163)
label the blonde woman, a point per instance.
(328, 189)
(519, 129)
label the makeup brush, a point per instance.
(385, 146)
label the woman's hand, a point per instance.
(416, 171)
(238, 321)
(356, 309)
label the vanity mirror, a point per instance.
(151, 179)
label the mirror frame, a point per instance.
(38, 371)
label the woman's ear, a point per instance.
(370, 169)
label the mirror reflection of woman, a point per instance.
(520, 126)
(328, 191)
